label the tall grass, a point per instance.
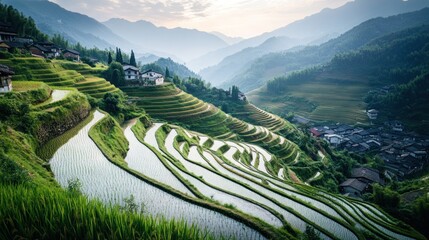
(41, 213)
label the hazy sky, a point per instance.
(244, 18)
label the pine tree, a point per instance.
(116, 55)
(109, 58)
(120, 59)
(133, 59)
(167, 73)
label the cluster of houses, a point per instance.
(403, 153)
(133, 75)
(10, 41)
(360, 182)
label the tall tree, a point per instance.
(133, 59)
(109, 58)
(121, 60)
(234, 93)
(167, 73)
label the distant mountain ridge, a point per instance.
(277, 64)
(325, 23)
(184, 43)
(53, 19)
(231, 65)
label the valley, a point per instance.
(314, 130)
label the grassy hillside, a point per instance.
(171, 104)
(337, 91)
(60, 73)
(32, 205)
(280, 63)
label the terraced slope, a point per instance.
(252, 114)
(60, 73)
(219, 171)
(172, 104)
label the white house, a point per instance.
(131, 73)
(372, 114)
(5, 78)
(151, 77)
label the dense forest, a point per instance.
(23, 25)
(399, 60)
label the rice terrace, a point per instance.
(216, 121)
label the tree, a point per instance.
(109, 58)
(133, 59)
(119, 58)
(111, 103)
(234, 93)
(115, 74)
(167, 73)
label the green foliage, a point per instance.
(41, 213)
(119, 58)
(283, 83)
(109, 58)
(108, 136)
(174, 69)
(30, 92)
(74, 187)
(275, 64)
(385, 197)
(133, 59)
(60, 41)
(311, 234)
(115, 74)
(25, 26)
(11, 172)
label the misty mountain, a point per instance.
(316, 26)
(229, 40)
(175, 69)
(184, 43)
(240, 61)
(281, 63)
(52, 19)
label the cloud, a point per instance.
(232, 17)
(158, 11)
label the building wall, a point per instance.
(351, 191)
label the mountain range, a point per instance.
(277, 64)
(316, 28)
(182, 43)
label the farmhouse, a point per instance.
(71, 54)
(52, 50)
(151, 78)
(38, 50)
(131, 73)
(5, 78)
(7, 33)
(353, 187)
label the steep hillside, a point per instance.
(325, 23)
(183, 43)
(32, 204)
(277, 64)
(60, 73)
(336, 91)
(53, 19)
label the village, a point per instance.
(403, 152)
